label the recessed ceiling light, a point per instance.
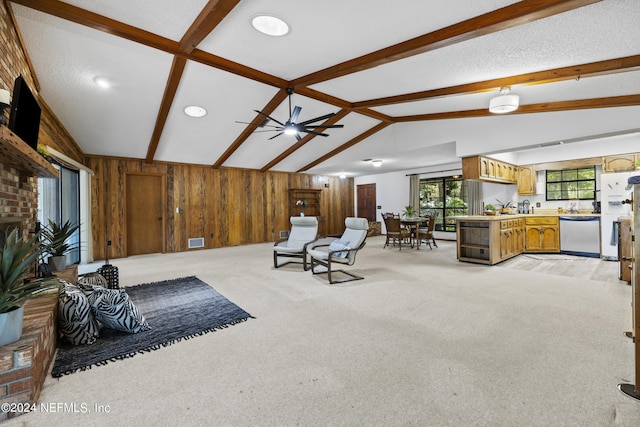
(376, 163)
(270, 25)
(102, 82)
(195, 111)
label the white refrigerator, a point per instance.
(613, 192)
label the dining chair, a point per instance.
(426, 233)
(395, 232)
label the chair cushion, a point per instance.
(76, 321)
(114, 309)
(337, 245)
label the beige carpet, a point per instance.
(423, 340)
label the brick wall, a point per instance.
(24, 364)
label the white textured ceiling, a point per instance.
(120, 121)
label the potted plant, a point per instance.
(504, 207)
(15, 260)
(489, 209)
(409, 212)
(55, 243)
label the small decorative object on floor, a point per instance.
(109, 272)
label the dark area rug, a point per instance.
(176, 309)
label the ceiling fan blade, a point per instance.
(298, 137)
(324, 126)
(268, 117)
(295, 114)
(314, 132)
(262, 125)
(317, 119)
(276, 135)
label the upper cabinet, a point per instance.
(620, 163)
(526, 180)
(16, 153)
(488, 169)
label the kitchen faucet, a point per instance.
(525, 206)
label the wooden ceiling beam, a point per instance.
(377, 128)
(268, 109)
(504, 18)
(332, 121)
(544, 107)
(209, 18)
(177, 69)
(101, 23)
(610, 66)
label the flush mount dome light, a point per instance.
(504, 103)
(102, 82)
(195, 111)
(376, 163)
(270, 25)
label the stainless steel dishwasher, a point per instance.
(580, 235)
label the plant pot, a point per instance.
(11, 326)
(57, 263)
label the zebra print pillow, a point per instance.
(114, 309)
(76, 322)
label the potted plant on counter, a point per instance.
(55, 243)
(489, 209)
(505, 207)
(15, 260)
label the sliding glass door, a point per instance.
(59, 201)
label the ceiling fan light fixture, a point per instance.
(504, 103)
(270, 25)
(290, 130)
(195, 111)
(376, 163)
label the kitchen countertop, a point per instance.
(512, 216)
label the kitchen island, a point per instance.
(490, 239)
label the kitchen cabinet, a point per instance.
(489, 240)
(526, 180)
(620, 163)
(511, 238)
(633, 389)
(625, 248)
(542, 234)
(488, 169)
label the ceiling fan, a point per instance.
(291, 126)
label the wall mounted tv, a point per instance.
(24, 119)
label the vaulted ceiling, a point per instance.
(410, 80)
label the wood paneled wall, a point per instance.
(235, 206)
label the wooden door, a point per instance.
(145, 201)
(367, 201)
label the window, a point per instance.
(572, 184)
(443, 197)
(59, 200)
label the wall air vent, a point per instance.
(284, 234)
(197, 242)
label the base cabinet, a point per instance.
(493, 240)
(542, 234)
(490, 241)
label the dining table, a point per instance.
(412, 225)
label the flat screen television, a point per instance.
(24, 119)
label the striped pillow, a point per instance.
(114, 310)
(76, 322)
